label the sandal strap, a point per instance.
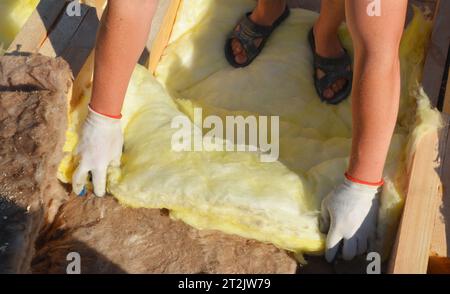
(247, 31)
(332, 64)
(331, 77)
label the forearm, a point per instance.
(375, 110)
(376, 84)
(121, 40)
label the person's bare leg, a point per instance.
(265, 13)
(332, 14)
(376, 91)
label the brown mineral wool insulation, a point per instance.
(33, 107)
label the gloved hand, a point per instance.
(349, 214)
(100, 146)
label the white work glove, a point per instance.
(349, 214)
(100, 146)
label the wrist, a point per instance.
(363, 182)
(103, 114)
(99, 120)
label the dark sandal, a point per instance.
(334, 69)
(246, 31)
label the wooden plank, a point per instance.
(411, 250)
(74, 37)
(446, 108)
(83, 80)
(35, 30)
(440, 243)
(439, 265)
(434, 73)
(82, 64)
(437, 52)
(415, 235)
(163, 37)
(82, 42)
(61, 35)
(50, 31)
(99, 4)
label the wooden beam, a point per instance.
(36, 29)
(82, 42)
(410, 253)
(83, 64)
(446, 107)
(437, 53)
(416, 232)
(99, 4)
(163, 37)
(51, 32)
(439, 265)
(434, 73)
(440, 243)
(61, 35)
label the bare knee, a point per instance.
(377, 38)
(380, 50)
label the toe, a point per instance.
(320, 74)
(238, 51)
(240, 58)
(235, 46)
(328, 93)
(341, 83)
(335, 87)
(239, 48)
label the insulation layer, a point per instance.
(234, 191)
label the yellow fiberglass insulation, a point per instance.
(13, 15)
(235, 192)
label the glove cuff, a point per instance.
(106, 116)
(357, 181)
(98, 119)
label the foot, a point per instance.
(329, 46)
(261, 16)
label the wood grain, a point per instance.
(435, 62)
(440, 243)
(163, 37)
(36, 29)
(446, 108)
(411, 250)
